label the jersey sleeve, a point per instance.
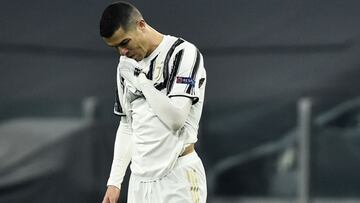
(117, 105)
(119, 92)
(186, 76)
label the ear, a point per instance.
(141, 24)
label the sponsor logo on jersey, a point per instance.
(185, 80)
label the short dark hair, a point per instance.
(118, 14)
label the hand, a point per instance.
(142, 80)
(112, 195)
(129, 69)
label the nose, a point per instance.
(123, 51)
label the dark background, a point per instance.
(261, 57)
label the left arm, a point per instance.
(172, 111)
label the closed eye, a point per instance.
(124, 43)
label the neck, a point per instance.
(155, 39)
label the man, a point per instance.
(160, 94)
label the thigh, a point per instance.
(186, 183)
(136, 191)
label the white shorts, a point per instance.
(186, 183)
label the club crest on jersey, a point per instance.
(157, 71)
(185, 80)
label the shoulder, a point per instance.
(180, 42)
(183, 45)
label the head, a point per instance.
(123, 27)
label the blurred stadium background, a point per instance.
(260, 140)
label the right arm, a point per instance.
(121, 160)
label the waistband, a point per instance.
(186, 159)
(181, 161)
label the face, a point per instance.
(130, 43)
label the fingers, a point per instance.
(109, 200)
(106, 200)
(112, 195)
(113, 200)
(127, 63)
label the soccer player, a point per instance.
(159, 97)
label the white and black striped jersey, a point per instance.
(177, 69)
